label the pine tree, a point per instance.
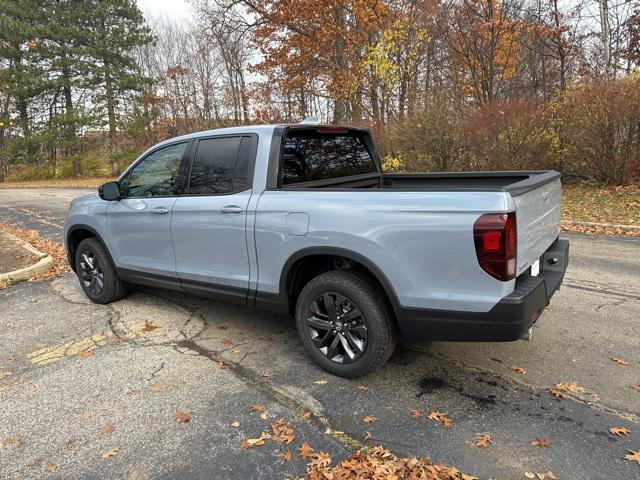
(117, 28)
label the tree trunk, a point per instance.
(111, 115)
(605, 35)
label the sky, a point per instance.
(173, 9)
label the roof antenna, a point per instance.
(310, 121)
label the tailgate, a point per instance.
(538, 222)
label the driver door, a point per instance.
(139, 224)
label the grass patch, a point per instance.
(588, 203)
(57, 183)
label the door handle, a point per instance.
(160, 211)
(231, 209)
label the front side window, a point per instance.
(214, 166)
(157, 174)
(310, 155)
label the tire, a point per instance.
(112, 288)
(318, 338)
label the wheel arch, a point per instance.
(76, 234)
(294, 276)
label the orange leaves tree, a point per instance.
(483, 38)
(314, 49)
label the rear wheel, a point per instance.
(97, 276)
(344, 324)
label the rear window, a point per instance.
(315, 154)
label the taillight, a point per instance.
(494, 235)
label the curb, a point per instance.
(603, 225)
(43, 265)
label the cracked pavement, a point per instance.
(210, 359)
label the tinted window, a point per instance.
(214, 166)
(156, 175)
(312, 155)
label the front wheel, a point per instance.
(97, 276)
(344, 324)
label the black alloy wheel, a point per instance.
(345, 323)
(97, 276)
(92, 274)
(337, 327)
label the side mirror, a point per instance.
(109, 191)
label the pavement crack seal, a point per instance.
(317, 420)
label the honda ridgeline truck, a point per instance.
(301, 220)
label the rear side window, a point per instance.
(214, 166)
(310, 155)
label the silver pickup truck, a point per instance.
(300, 220)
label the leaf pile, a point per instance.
(56, 250)
(379, 463)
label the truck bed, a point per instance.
(516, 182)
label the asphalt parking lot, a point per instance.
(80, 382)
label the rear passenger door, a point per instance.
(208, 225)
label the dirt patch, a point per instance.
(13, 255)
(56, 250)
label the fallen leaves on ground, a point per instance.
(222, 365)
(267, 374)
(264, 415)
(257, 407)
(632, 456)
(320, 382)
(282, 432)
(330, 431)
(320, 461)
(483, 440)
(111, 452)
(85, 353)
(305, 450)
(367, 435)
(287, 456)
(540, 442)
(108, 430)
(635, 387)
(148, 327)
(541, 476)
(619, 361)
(182, 416)
(133, 393)
(56, 250)
(416, 414)
(363, 388)
(369, 419)
(305, 415)
(619, 432)
(379, 462)
(227, 342)
(562, 389)
(518, 369)
(441, 417)
(613, 205)
(253, 442)
(9, 441)
(235, 423)
(51, 467)
(158, 387)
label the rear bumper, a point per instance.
(507, 321)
